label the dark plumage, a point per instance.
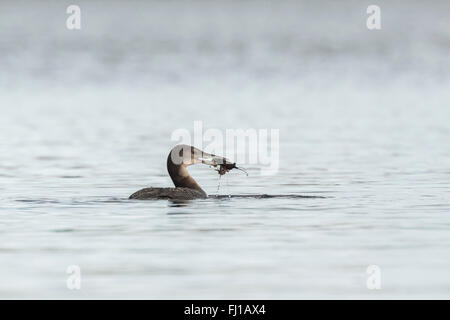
(168, 193)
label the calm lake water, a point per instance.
(87, 117)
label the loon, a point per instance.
(186, 188)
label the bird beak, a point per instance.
(213, 160)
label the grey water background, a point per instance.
(87, 117)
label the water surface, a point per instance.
(87, 116)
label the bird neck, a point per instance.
(181, 177)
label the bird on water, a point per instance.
(186, 188)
